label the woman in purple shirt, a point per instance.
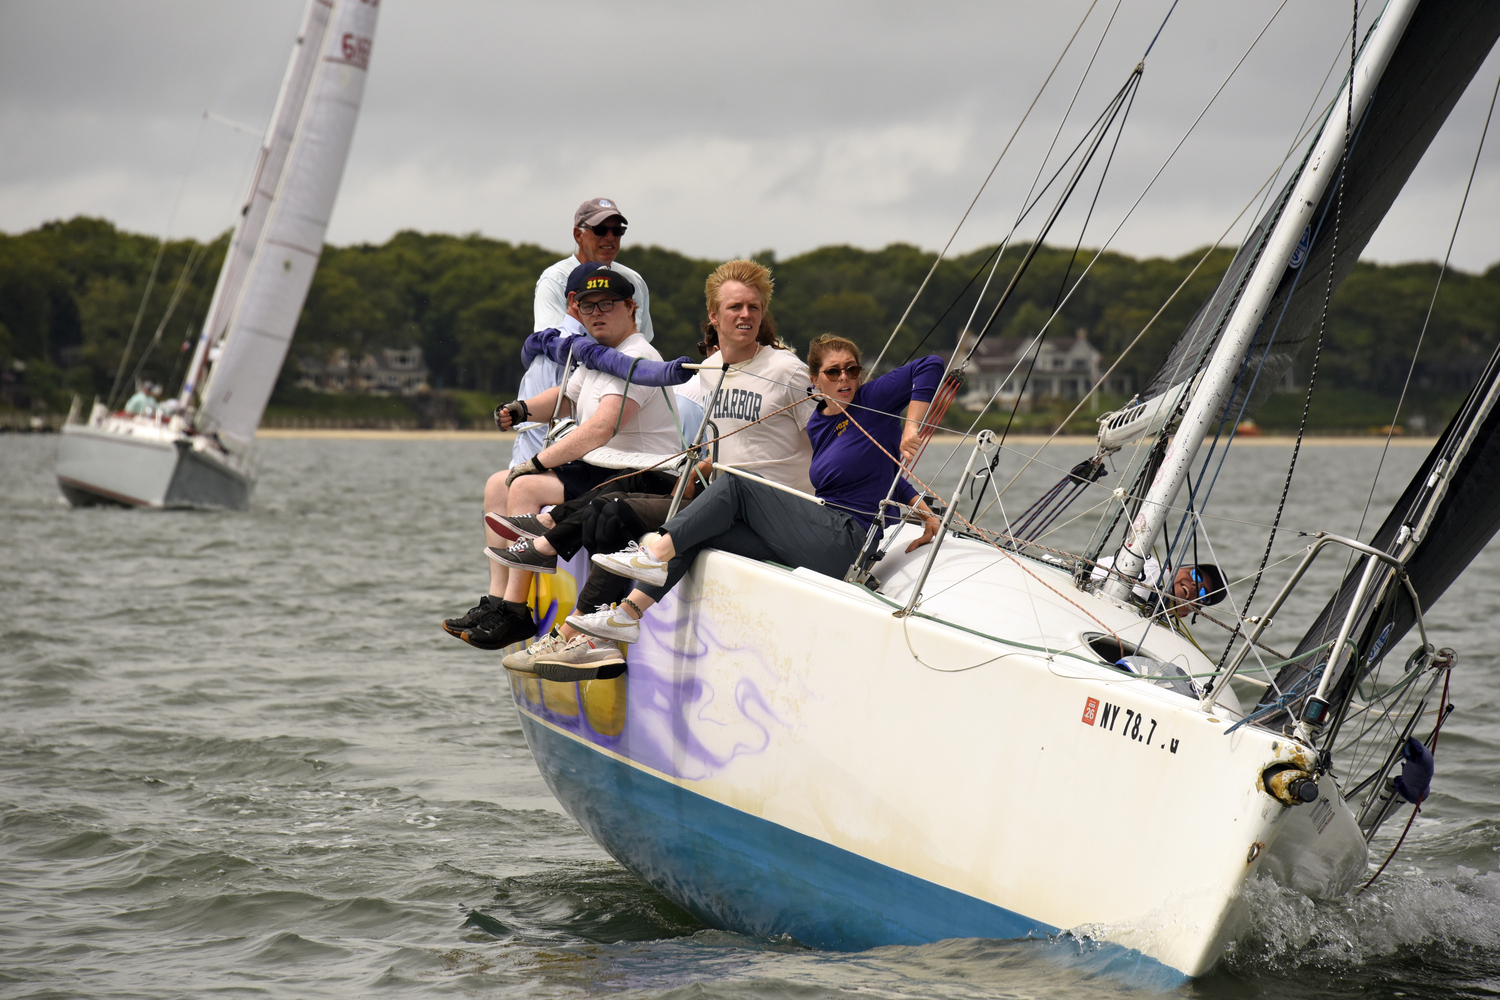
(850, 472)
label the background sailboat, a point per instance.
(201, 456)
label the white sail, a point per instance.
(280, 236)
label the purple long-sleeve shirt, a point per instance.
(848, 470)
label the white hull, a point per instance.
(145, 463)
(960, 768)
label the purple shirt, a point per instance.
(848, 471)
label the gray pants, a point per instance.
(749, 519)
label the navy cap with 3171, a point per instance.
(596, 277)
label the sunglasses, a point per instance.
(1202, 590)
(603, 305)
(835, 373)
(605, 230)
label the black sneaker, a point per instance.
(515, 527)
(471, 618)
(500, 628)
(523, 555)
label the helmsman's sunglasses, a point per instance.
(606, 230)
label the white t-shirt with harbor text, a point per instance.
(778, 447)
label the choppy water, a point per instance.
(238, 758)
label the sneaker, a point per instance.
(581, 659)
(515, 526)
(471, 618)
(634, 562)
(500, 628)
(521, 662)
(523, 555)
(609, 621)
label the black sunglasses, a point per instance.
(606, 230)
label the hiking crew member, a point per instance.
(598, 228)
(619, 428)
(761, 416)
(851, 472)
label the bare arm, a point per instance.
(592, 433)
(916, 412)
(930, 525)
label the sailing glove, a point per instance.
(530, 467)
(1416, 773)
(518, 410)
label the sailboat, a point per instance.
(979, 738)
(201, 455)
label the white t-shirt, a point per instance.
(777, 448)
(653, 429)
(551, 312)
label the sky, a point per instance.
(721, 129)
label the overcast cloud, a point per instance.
(722, 129)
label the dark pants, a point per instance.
(582, 481)
(750, 519)
(607, 524)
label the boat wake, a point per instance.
(1400, 916)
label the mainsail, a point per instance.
(1440, 51)
(280, 233)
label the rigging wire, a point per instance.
(987, 177)
(1029, 109)
(1028, 202)
(161, 244)
(1061, 288)
(1147, 189)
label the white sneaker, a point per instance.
(608, 621)
(634, 562)
(581, 659)
(523, 660)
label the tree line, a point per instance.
(71, 293)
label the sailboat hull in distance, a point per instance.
(146, 465)
(201, 458)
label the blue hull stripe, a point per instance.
(744, 873)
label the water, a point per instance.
(238, 758)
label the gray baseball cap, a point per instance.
(595, 211)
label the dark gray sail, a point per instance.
(1440, 51)
(1462, 516)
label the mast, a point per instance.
(279, 236)
(1222, 369)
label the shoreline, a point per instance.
(351, 434)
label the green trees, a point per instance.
(69, 293)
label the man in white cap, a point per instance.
(598, 228)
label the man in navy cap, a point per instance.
(621, 428)
(598, 228)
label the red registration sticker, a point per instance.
(1090, 711)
